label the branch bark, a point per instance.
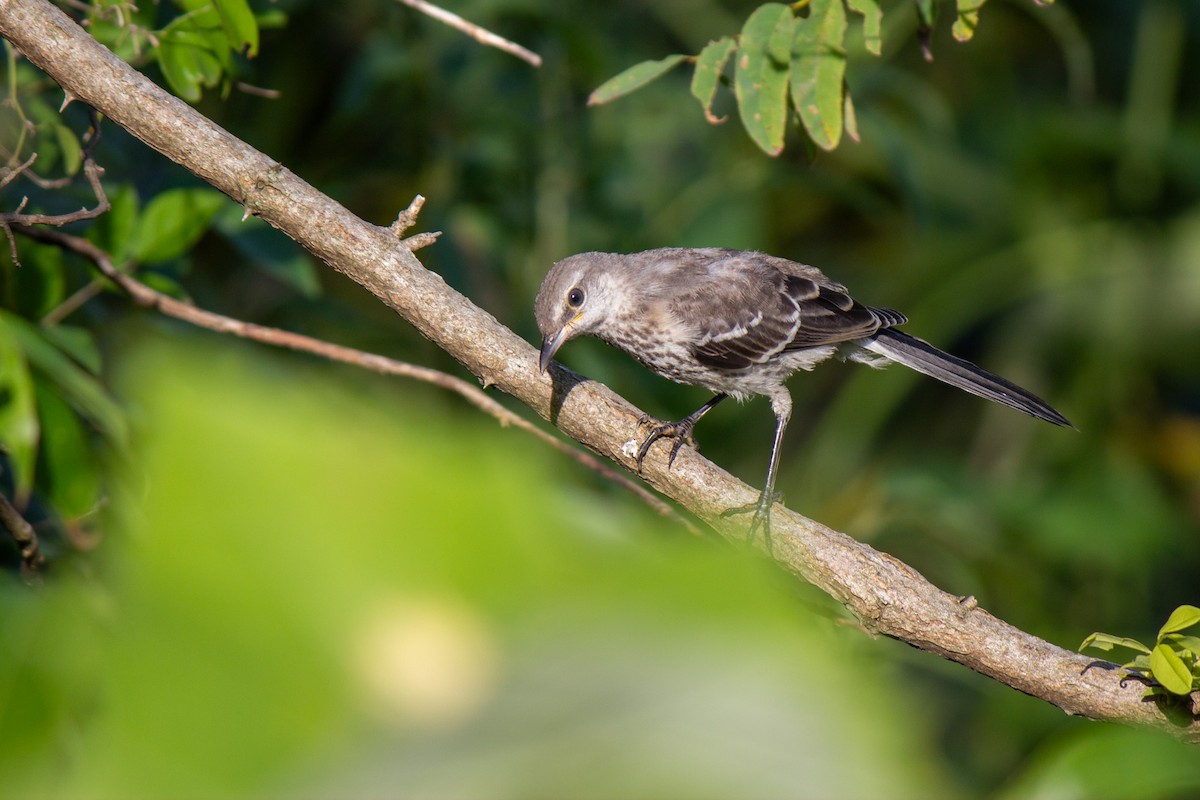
(888, 596)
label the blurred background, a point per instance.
(293, 579)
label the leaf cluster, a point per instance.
(787, 64)
(1173, 663)
(195, 49)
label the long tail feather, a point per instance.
(925, 358)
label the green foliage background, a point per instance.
(271, 528)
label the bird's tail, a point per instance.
(920, 355)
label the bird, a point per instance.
(739, 324)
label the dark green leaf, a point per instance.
(76, 386)
(78, 343)
(760, 80)
(872, 23)
(71, 470)
(173, 222)
(819, 71)
(40, 284)
(18, 413)
(72, 153)
(266, 249)
(114, 232)
(1180, 619)
(709, 66)
(633, 78)
(1170, 671)
(967, 19)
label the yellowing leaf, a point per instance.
(872, 23)
(967, 19)
(709, 66)
(761, 77)
(819, 72)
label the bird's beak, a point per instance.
(550, 345)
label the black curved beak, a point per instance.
(550, 345)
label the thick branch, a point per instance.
(146, 297)
(887, 595)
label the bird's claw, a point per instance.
(680, 431)
(762, 516)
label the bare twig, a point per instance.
(406, 219)
(146, 297)
(24, 535)
(91, 171)
(481, 35)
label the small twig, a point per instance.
(91, 171)
(8, 175)
(24, 535)
(406, 219)
(481, 35)
(258, 91)
(144, 296)
(72, 303)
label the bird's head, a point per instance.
(576, 299)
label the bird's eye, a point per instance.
(575, 297)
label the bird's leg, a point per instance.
(680, 431)
(782, 405)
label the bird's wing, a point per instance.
(749, 309)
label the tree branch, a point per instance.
(146, 297)
(889, 597)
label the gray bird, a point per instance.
(738, 324)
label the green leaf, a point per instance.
(114, 232)
(239, 25)
(77, 387)
(761, 77)
(710, 64)
(1140, 664)
(632, 79)
(1189, 643)
(78, 343)
(271, 19)
(872, 24)
(819, 72)
(72, 153)
(19, 428)
(967, 19)
(71, 469)
(851, 119)
(1181, 618)
(188, 62)
(926, 13)
(1106, 642)
(173, 222)
(1169, 670)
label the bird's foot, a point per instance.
(762, 516)
(680, 431)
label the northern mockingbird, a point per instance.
(738, 324)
